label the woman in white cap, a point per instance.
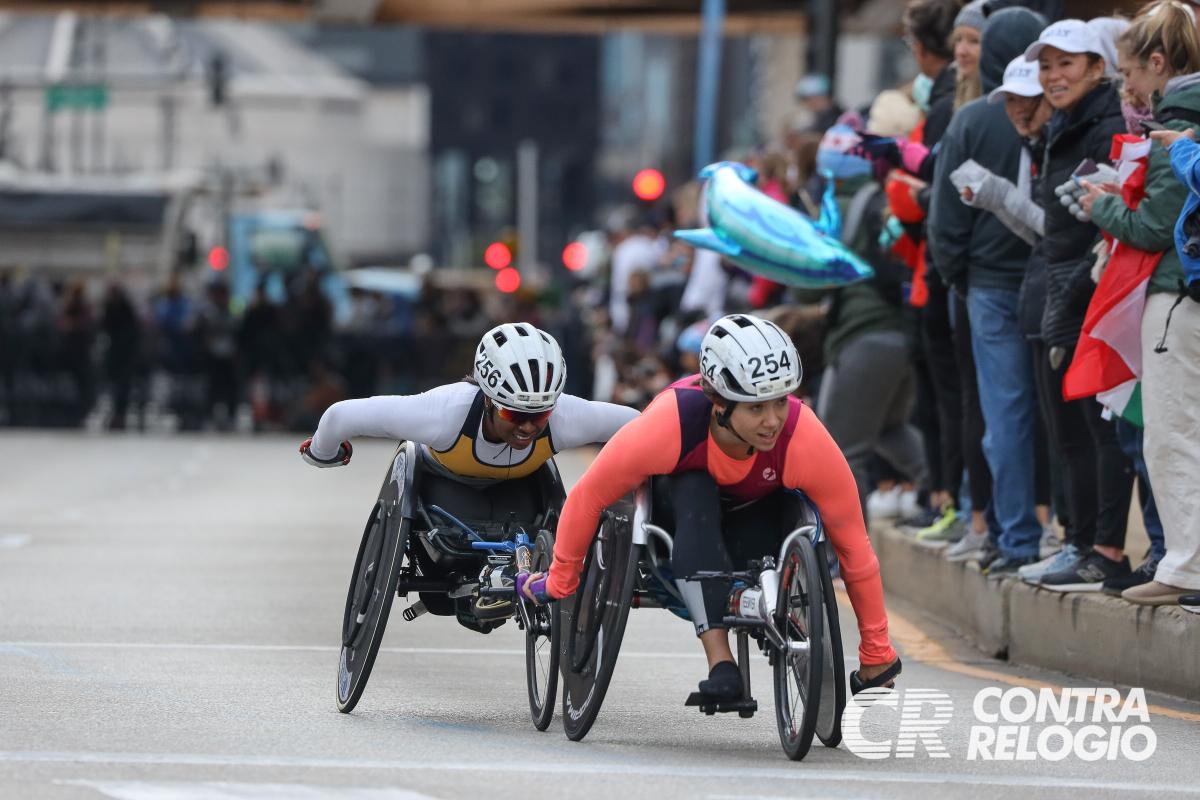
(1087, 112)
(1028, 111)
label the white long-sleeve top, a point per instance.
(448, 422)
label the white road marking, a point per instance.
(809, 774)
(221, 790)
(305, 648)
(11, 541)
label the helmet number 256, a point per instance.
(488, 372)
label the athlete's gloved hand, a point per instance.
(345, 451)
(532, 586)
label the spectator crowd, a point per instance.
(187, 357)
(1028, 350)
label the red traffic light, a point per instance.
(497, 255)
(575, 256)
(648, 185)
(508, 280)
(218, 258)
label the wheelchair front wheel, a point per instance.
(798, 666)
(542, 644)
(372, 587)
(594, 623)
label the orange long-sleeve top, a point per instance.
(813, 463)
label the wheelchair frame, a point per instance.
(586, 678)
(387, 566)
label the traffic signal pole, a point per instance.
(822, 40)
(708, 83)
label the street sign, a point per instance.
(78, 96)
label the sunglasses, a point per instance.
(521, 417)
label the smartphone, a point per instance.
(1149, 125)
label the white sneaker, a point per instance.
(909, 505)
(1049, 543)
(1033, 573)
(884, 504)
(968, 547)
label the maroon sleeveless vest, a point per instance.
(695, 410)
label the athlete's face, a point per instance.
(760, 423)
(514, 428)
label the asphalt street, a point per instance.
(170, 614)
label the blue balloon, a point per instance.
(771, 239)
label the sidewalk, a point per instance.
(1086, 634)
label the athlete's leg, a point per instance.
(698, 547)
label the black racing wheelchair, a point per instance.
(786, 606)
(456, 567)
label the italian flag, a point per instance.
(1108, 358)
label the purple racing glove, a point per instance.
(533, 585)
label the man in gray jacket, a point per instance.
(984, 262)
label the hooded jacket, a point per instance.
(941, 106)
(971, 246)
(1085, 131)
(1151, 226)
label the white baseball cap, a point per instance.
(1020, 78)
(1068, 35)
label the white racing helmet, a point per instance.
(749, 360)
(520, 367)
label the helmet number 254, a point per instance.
(772, 363)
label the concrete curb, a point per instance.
(1086, 634)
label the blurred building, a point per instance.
(90, 101)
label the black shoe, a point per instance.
(887, 678)
(989, 554)
(1119, 583)
(1004, 567)
(724, 681)
(1088, 574)
(492, 608)
(465, 614)
(919, 521)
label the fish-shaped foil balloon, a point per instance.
(771, 239)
